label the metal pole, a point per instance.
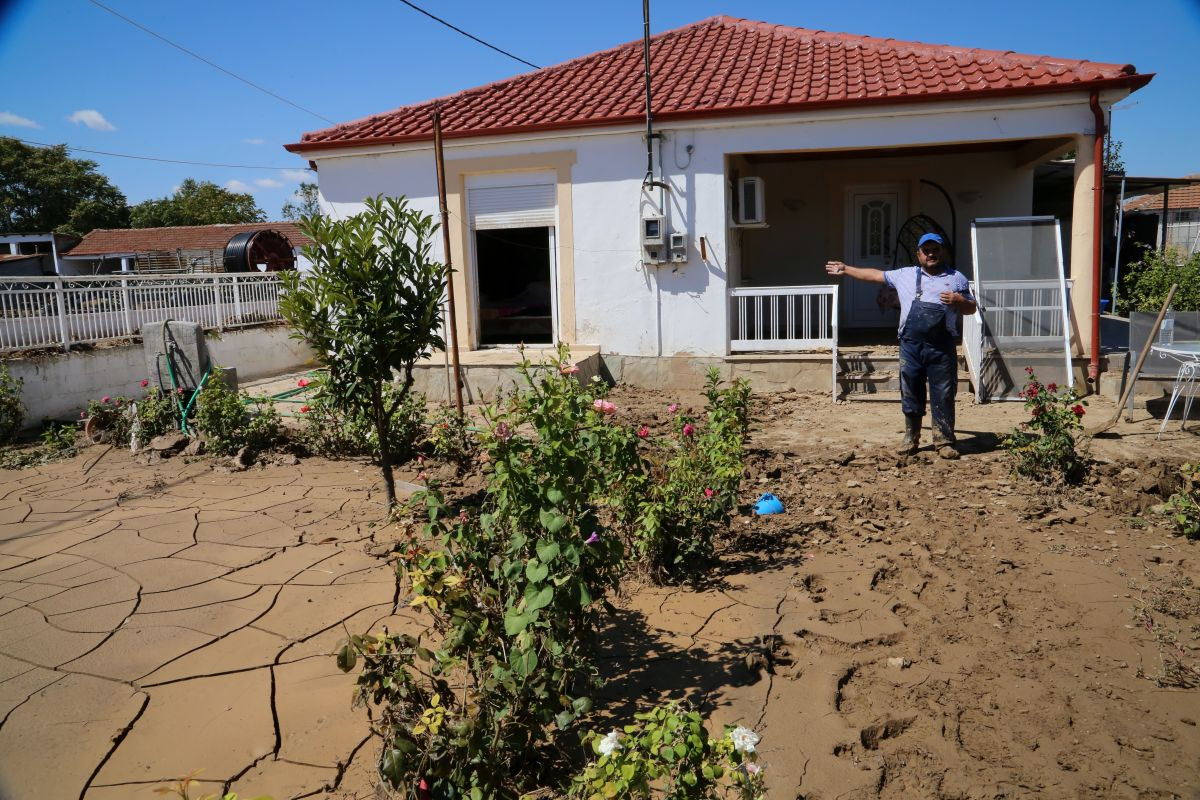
(649, 112)
(1117, 256)
(1162, 237)
(441, 181)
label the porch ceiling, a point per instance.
(1016, 146)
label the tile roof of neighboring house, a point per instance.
(1177, 197)
(18, 257)
(189, 237)
(723, 66)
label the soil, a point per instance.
(910, 627)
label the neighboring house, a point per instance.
(33, 254)
(774, 150)
(184, 249)
(1183, 216)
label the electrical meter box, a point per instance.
(678, 248)
(654, 241)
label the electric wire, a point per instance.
(164, 160)
(417, 8)
(214, 65)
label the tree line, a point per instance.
(46, 189)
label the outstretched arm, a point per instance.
(861, 273)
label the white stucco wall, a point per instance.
(680, 309)
(59, 386)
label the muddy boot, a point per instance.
(912, 434)
(946, 446)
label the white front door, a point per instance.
(873, 218)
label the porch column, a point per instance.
(1082, 231)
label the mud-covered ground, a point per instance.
(908, 628)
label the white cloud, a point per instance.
(9, 118)
(175, 189)
(254, 141)
(238, 186)
(267, 183)
(92, 119)
(298, 175)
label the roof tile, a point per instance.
(188, 237)
(724, 65)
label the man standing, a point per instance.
(933, 298)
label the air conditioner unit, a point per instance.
(750, 208)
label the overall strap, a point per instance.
(920, 273)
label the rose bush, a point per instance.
(1047, 447)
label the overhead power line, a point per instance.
(415, 7)
(199, 57)
(164, 160)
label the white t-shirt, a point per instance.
(904, 281)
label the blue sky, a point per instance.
(86, 78)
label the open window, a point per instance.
(515, 280)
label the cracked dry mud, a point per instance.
(910, 628)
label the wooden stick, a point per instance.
(1137, 367)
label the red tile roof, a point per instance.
(188, 237)
(726, 66)
(1177, 197)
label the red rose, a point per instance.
(1052, 387)
(1077, 410)
(304, 409)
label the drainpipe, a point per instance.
(1097, 232)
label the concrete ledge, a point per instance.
(59, 385)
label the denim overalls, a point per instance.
(927, 352)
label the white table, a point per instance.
(1188, 356)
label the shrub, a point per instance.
(514, 596)
(668, 754)
(328, 432)
(451, 438)
(12, 410)
(157, 413)
(1145, 284)
(693, 481)
(111, 416)
(222, 416)
(1183, 507)
(1046, 447)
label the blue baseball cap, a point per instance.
(931, 237)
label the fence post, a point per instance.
(126, 307)
(237, 299)
(217, 302)
(60, 297)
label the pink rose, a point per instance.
(709, 493)
(503, 432)
(689, 429)
(673, 408)
(302, 382)
(568, 369)
(643, 432)
(421, 476)
(605, 407)
(145, 383)
(83, 415)
(752, 768)
(104, 399)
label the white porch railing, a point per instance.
(785, 318)
(57, 312)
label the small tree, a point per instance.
(306, 202)
(370, 307)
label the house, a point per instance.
(771, 150)
(1181, 205)
(189, 248)
(33, 254)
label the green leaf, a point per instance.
(585, 596)
(555, 496)
(346, 658)
(581, 705)
(563, 719)
(515, 622)
(547, 551)
(539, 600)
(552, 520)
(524, 662)
(536, 571)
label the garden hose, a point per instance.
(176, 390)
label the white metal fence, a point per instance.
(57, 312)
(785, 318)
(1019, 310)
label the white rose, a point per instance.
(609, 744)
(744, 740)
